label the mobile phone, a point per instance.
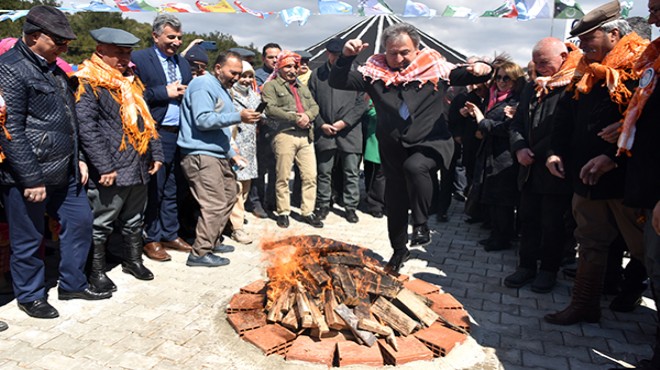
(261, 107)
(209, 45)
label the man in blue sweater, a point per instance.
(207, 113)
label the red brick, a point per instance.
(270, 339)
(351, 353)
(440, 339)
(458, 318)
(402, 278)
(410, 349)
(444, 301)
(421, 287)
(243, 321)
(306, 349)
(245, 302)
(256, 287)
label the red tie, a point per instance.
(299, 106)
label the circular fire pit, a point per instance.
(328, 302)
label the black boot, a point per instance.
(98, 281)
(132, 263)
(632, 287)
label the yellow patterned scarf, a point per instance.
(615, 69)
(127, 92)
(3, 120)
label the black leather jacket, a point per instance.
(41, 120)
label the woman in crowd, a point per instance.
(495, 168)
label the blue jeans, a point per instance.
(70, 207)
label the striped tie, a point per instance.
(171, 70)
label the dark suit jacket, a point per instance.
(426, 128)
(150, 71)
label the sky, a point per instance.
(482, 37)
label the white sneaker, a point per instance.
(241, 236)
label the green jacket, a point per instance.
(281, 109)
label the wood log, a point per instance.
(380, 285)
(316, 272)
(275, 312)
(352, 321)
(290, 321)
(304, 312)
(417, 307)
(393, 316)
(342, 275)
(363, 309)
(317, 317)
(374, 327)
(330, 302)
(344, 259)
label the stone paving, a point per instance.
(177, 321)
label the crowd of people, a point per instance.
(148, 143)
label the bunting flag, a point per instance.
(373, 7)
(177, 8)
(95, 6)
(13, 16)
(415, 9)
(134, 6)
(626, 7)
(532, 9)
(457, 12)
(295, 14)
(568, 9)
(221, 6)
(334, 7)
(506, 10)
(256, 13)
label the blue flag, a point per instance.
(334, 7)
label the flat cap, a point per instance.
(114, 36)
(304, 54)
(48, 19)
(335, 45)
(244, 53)
(596, 18)
(197, 54)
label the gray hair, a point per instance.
(165, 19)
(620, 24)
(394, 31)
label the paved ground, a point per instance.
(177, 321)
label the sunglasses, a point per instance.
(59, 41)
(502, 78)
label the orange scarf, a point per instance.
(3, 120)
(127, 92)
(647, 67)
(429, 65)
(615, 69)
(563, 77)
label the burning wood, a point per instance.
(321, 287)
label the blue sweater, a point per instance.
(207, 113)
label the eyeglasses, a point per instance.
(502, 78)
(59, 41)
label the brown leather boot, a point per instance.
(585, 300)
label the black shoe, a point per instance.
(283, 221)
(396, 262)
(223, 248)
(40, 309)
(442, 217)
(312, 220)
(377, 214)
(86, 294)
(100, 282)
(259, 212)
(421, 235)
(138, 270)
(322, 212)
(207, 260)
(3, 326)
(627, 300)
(520, 278)
(544, 282)
(351, 216)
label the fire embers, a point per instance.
(338, 296)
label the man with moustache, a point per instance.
(545, 199)
(207, 113)
(639, 137)
(595, 98)
(408, 87)
(165, 75)
(292, 110)
(40, 171)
